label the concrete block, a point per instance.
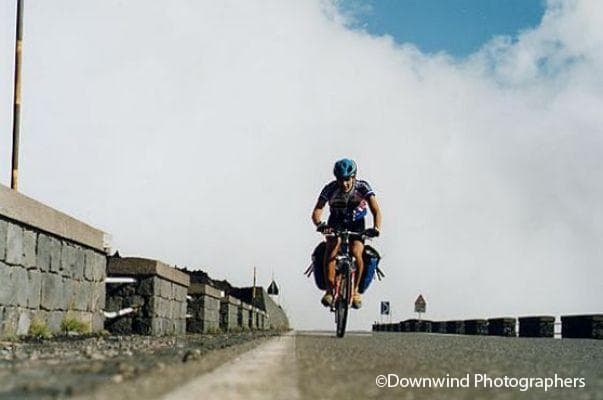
(148, 309)
(476, 327)
(163, 307)
(9, 320)
(132, 266)
(43, 252)
(174, 294)
(180, 326)
(170, 326)
(582, 326)
(204, 289)
(98, 321)
(502, 327)
(457, 327)
(52, 287)
(157, 327)
(34, 288)
(80, 263)
(157, 306)
(20, 282)
(24, 322)
(415, 325)
(30, 239)
(90, 265)
(165, 288)
(175, 310)
(17, 207)
(538, 326)
(99, 267)
(183, 308)
(55, 255)
(68, 298)
(14, 244)
(67, 260)
(167, 308)
(3, 232)
(438, 327)
(6, 285)
(54, 320)
(81, 291)
(99, 296)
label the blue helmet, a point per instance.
(344, 168)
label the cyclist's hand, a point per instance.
(372, 232)
(323, 228)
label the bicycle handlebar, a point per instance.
(345, 232)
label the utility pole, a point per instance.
(253, 289)
(17, 97)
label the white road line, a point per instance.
(267, 372)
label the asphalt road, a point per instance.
(310, 365)
(331, 368)
(315, 365)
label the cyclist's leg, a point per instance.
(330, 253)
(357, 248)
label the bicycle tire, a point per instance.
(343, 303)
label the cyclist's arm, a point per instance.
(376, 211)
(317, 212)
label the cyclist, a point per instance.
(348, 199)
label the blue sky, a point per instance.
(458, 27)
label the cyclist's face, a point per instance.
(346, 184)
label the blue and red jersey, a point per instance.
(347, 207)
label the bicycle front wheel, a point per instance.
(343, 303)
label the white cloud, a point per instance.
(201, 134)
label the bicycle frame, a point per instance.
(345, 273)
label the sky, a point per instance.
(200, 134)
(457, 27)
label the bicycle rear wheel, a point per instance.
(343, 303)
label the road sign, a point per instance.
(420, 304)
(385, 308)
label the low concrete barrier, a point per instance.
(253, 318)
(476, 327)
(455, 327)
(259, 298)
(229, 312)
(243, 316)
(438, 327)
(158, 297)
(416, 325)
(537, 326)
(52, 268)
(502, 327)
(204, 308)
(582, 326)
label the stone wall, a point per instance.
(229, 312)
(243, 317)
(158, 297)
(204, 308)
(52, 268)
(276, 315)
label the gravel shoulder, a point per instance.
(124, 367)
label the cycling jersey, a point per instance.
(347, 210)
